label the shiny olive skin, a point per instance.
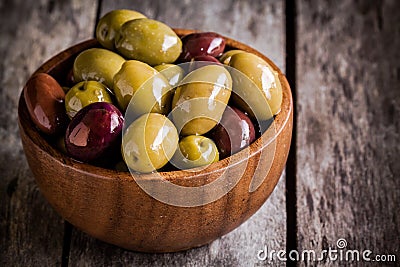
(226, 57)
(206, 58)
(195, 151)
(108, 26)
(151, 89)
(200, 100)
(201, 61)
(267, 89)
(149, 143)
(97, 64)
(44, 98)
(149, 41)
(234, 132)
(201, 44)
(83, 94)
(94, 131)
(172, 72)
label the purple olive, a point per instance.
(234, 132)
(202, 44)
(201, 61)
(93, 131)
(207, 58)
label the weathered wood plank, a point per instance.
(31, 233)
(260, 24)
(348, 126)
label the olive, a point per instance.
(44, 100)
(262, 100)
(97, 64)
(195, 151)
(206, 58)
(226, 57)
(172, 72)
(234, 132)
(83, 94)
(202, 44)
(201, 61)
(94, 131)
(149, 41)
(150, 88)
(109, 25)
(200, 99)
(149, 142)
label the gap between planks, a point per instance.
(291, 194)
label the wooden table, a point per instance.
(342, 59)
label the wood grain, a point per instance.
(259, 24)
(31, 233)
(348, 99)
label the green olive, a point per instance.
(83, 94)
(195, 151)
(151, 89)
(200, 99)
(109, 25)
(148, 40)
(149, 143)
(263, 86)
(97, 64)
(226, 57)
(172, 72)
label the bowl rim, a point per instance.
(280, 121)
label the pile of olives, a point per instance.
(188, 102)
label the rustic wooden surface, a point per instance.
(346, 152)
(348, 99)
(31, 233)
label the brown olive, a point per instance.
(44, 98)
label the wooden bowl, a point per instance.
(111, 206)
